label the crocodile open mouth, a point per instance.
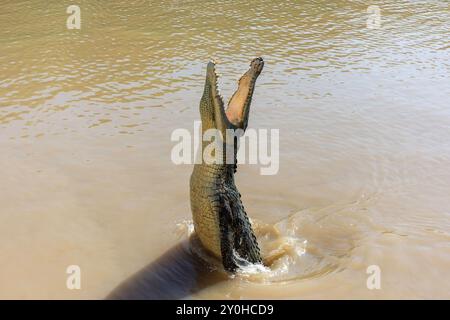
(239, 103)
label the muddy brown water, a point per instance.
(87, 179)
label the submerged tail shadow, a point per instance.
(177, 274)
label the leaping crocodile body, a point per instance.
(220, 221)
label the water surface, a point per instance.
(85, 123)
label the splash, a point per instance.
(184, 229)
(307, 244)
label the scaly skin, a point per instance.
(220, 221)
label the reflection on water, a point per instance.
(85, 123)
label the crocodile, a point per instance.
(220, 221)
